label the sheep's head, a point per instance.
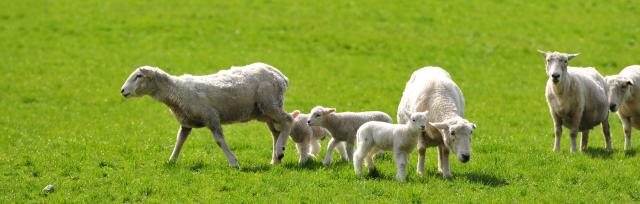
(140, 82)
(619, 90)
(419, 120)
(318, 114)
(456, 134)
(556, 64)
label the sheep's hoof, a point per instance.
(274, 162)
(280, 157)
(235, 166)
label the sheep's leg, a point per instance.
(443, 161)
(284, 121)
(585, 140)
(303, 150)
(557, 125)
(401, 163)
(574, 136)
(606, 131)
(421, 152)
(270, 100)
(327, 156)
(349, 147)
(315, 147)
(626, 125)
(218, 136)
(369, 160)
(274, 134)
(359, 155)
(183, 134)
(575, 124)
(342, 150)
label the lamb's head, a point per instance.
(419, 120)
(140, 82)
(318, 114)
(619, 90)
(456, 133)
(556, 64)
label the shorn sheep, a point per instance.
(343, 126)
(235, 95)
(577, 99)
(374, 137)
(307, 138)
(431, 89)
(624, 98)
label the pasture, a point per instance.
(64, 122)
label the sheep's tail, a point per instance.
(283, 81)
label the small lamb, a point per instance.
(374, 137)
(577, 99)
(307, 138)
(343, 126)
(239, 94)
(624, 98)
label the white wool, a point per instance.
(307, 138)
(624, 98)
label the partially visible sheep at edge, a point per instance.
(624, 98)
(239, 94)
(307, 138)
(343, 126)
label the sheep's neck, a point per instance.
(563, 85)
(332, 123)
(167, 91)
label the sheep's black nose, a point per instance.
(309, 122)
(465, 158)
(122, 91)
(555, 76)
(612, 107)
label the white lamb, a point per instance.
(307, 138)
(431, 89)
(624, 97)
(239, 94)
(577, 99)
(375, 137)
(343, 126)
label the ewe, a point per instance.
(307, 138)
(577, 99)
(235, 95)
(374, 137)
(431, 89)
(342, 126)
(624, 97)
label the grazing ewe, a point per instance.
(343, 126)
(307, 138)
(235, 95)
(431, 89)
(624, 97)
(577, 99)
(374, 137)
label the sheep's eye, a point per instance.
(138, 76)
(317, 115)
(453, 132)
(414, 120)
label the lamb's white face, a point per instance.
(457, 137)
(556, 65)
(317, 115)
(619, 90)
(419, 120)
(138, 83)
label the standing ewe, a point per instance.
(577, 99)
(431, 89)
(307, 138)
(374, 137)
(343, 126)
(235, 95)
(624, 97)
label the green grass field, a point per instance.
(64, 122)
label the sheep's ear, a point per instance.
(630, 82)
(147, 70)
(571, 56)
(329, 110)
(440, 125)
(473, 126)
(542, 53)
(295, 113)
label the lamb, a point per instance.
(624, 98)
(431, 89)
(239, 94)
(343, 126)
(374, 137)
(307, 138)
(577, 99)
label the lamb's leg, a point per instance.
(585, 140)
(359, 155)
(443, 161)
(216, 129)
(315, 147)
(303, 151)
(183, 134)
(606, 131)
(557, 125)
(626, 125)
(369, 160)
(401, 163)
(327, 157)
(349, 147)
(421, 152)
(342, 150)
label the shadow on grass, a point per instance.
(315, 164)
(630, 153)
(255, 169)
(484, 179)
(598, 152)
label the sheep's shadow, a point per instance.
(630, 153)
(484, 179)
(598, 152)
(255, 169)
(309, 165)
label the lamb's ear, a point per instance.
(295, 113)
(571, 56)
(440, 125)
(329, 110)
(542, 53)
(147, 70)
